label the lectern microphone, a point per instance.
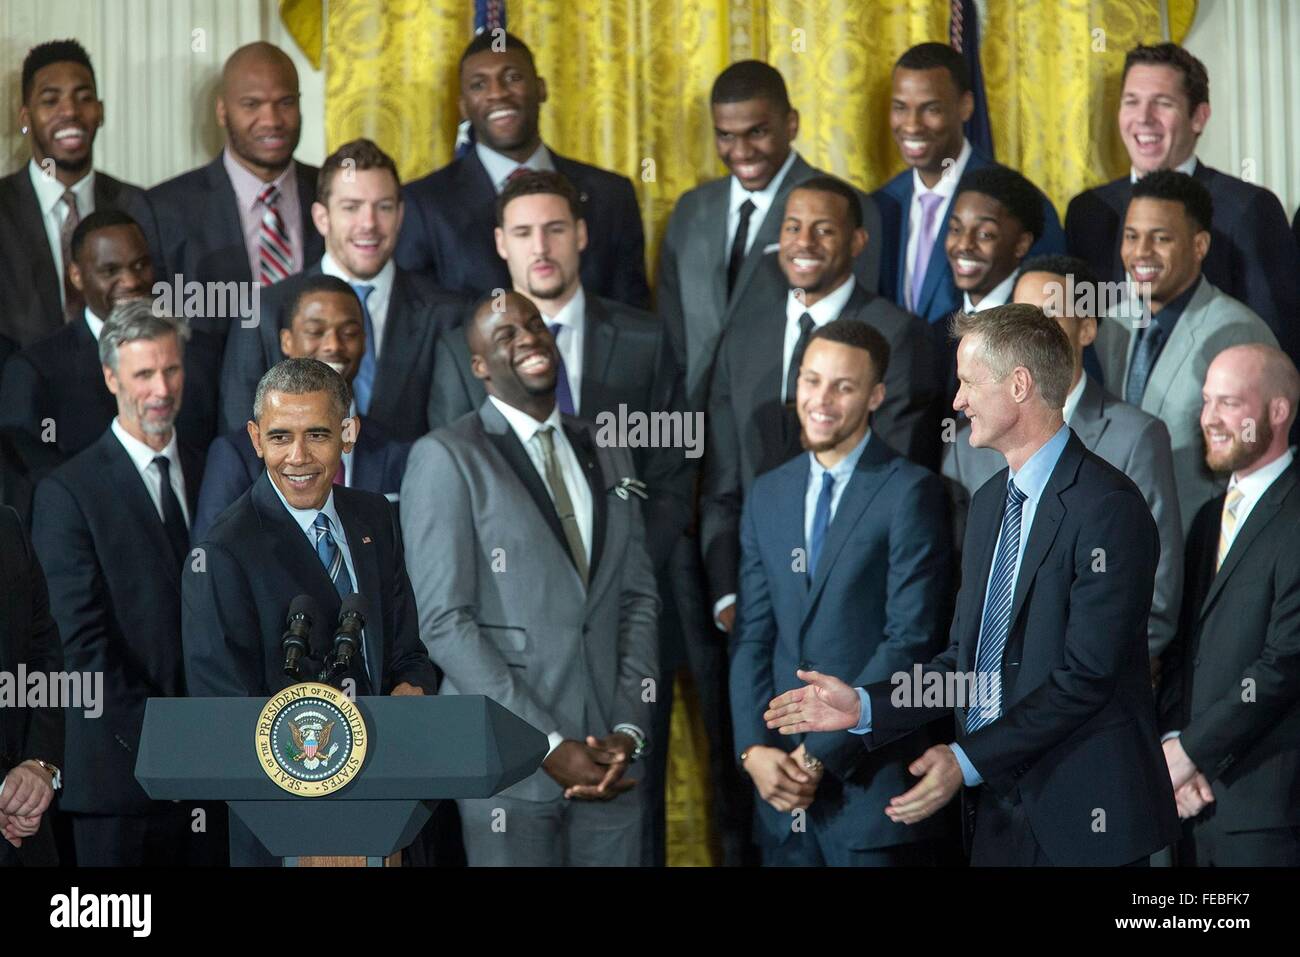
(347, 637)
(297, 632)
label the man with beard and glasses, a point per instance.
(246, 216)
(1230, 703)
(111, 527)
(528, 560)
(42, 203)
(866, 599)
(447, 232)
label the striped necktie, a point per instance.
(330, 555)
(996, 623)
(73, 301)
(1228, 524)
(274, 254)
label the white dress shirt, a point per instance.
(762, 200)
(142, 457)
(823, 311)
(499, 166)
(380, 296)
(999, 295)
(1072, 400)
(93, 323)
(54, 211)
(946, 187)
(1252, 488)
(1187, 166)
(570, 339)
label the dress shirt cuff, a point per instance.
(1170, 735)
(864, 721)
(968, 772)
(721, 605)
(556, 740)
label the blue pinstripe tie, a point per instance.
(997, 617)
(331, 556)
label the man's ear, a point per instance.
(857, 242)
(1200, 118)
(255, 436)
(221, 112)
(1023, 244)
(320, 217)
(286, 342)
(110, 379)
(877, 396)
(967, 106)
(1202, 245)
(792, 124)
(74, 274)
(499, 235)
(542, 95)
(1087, 330)
(460, 105)
(582, 235)
(478, 367)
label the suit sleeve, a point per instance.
(44, 737)
(907, 420)
(449, 397)
(916, 600)
(668, 294)
(751, 680)
(628, 284)
(1266, 268)
(224, 480)
(408, 659)
(414, 251)
(721, 493)
(220, 633)
(638, 636)
(437, 510)
(1151, 467)
(24, 407)
(1217, 736)
(1103, 605)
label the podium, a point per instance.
(417, 750)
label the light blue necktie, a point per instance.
(1145, 355)
(330, 555)
(997, 617)
(821, 522)
(364, 384)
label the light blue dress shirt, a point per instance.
(842, 471)
(1031, 480)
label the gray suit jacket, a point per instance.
(1129, 439)
(1212, 322)
(691, 294)
(503, 611)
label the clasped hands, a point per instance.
(592, 770)
(1192, 792)
(825, 703)
(27, 793)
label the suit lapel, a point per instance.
(1260, 517)
(361, 543)
(580, 439)
(293, 551)
(1047, 522)
(768, 231)
(400, 339)
(600, 340)
(31, 225)
(133, 497)
(224, 213)
(1178, 351)
(982, 531)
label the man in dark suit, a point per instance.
(296, 532)
(752, 422)
(31, 738)
(358, 211)
(246, 216)
(1133, 441)
(844, 568)
(53, 399)
(447, 232)
(1253, 257)
(1231, 691)
(1046, 669)
(325, 322)
(721, 230)
(931, 100)
(111, 529)
(41, 203)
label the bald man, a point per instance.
(527, 555)
(1230, 697)
(244, 217)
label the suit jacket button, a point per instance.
(804, 666)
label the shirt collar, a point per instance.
(93, 322)
(761, 198)
(1072, 400)
(248, 187)
(999, 295)
(382, 280)
(141, 454)
(947, 184)
(1257, 482)
(825, 309)
(49, 191)
(571, 314)
(844, 467)
(523, 424)
(1187, 166)
(1033, 475)
(306, 517)
(1168, 317)
(499, 167)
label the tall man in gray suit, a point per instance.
(1158, 360)
(1128, 438)
(719, 231)
(530, 571)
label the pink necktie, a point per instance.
(930, 203)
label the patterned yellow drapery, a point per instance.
(629, 83)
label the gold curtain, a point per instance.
(629, 84)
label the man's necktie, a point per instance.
(996, 623)
(330, 555)
(563, 504)
(796, 357)
(173, 518)
(1228, 524)
(563, 393)
(517, 172)
(274, 254)
(1145, 355)
(930, 203)
(738, 245)
(73, 303)
(363, 386)
(821, 522)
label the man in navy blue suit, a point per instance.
(323, 322)
(1046, 669)
(1253, 256)
(451, 213)
(844, 569)
(931, 100)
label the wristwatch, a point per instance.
(638, 739)
(811, 762)
(56, 776)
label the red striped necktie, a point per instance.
(274, 255)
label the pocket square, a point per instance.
(771, 248)
(365, 539)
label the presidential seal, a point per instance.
(311, 739)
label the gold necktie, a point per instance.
(563, 504)
(1228, 525)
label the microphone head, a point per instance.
(304, 606)
(353, 604)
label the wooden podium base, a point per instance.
(392, 860)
